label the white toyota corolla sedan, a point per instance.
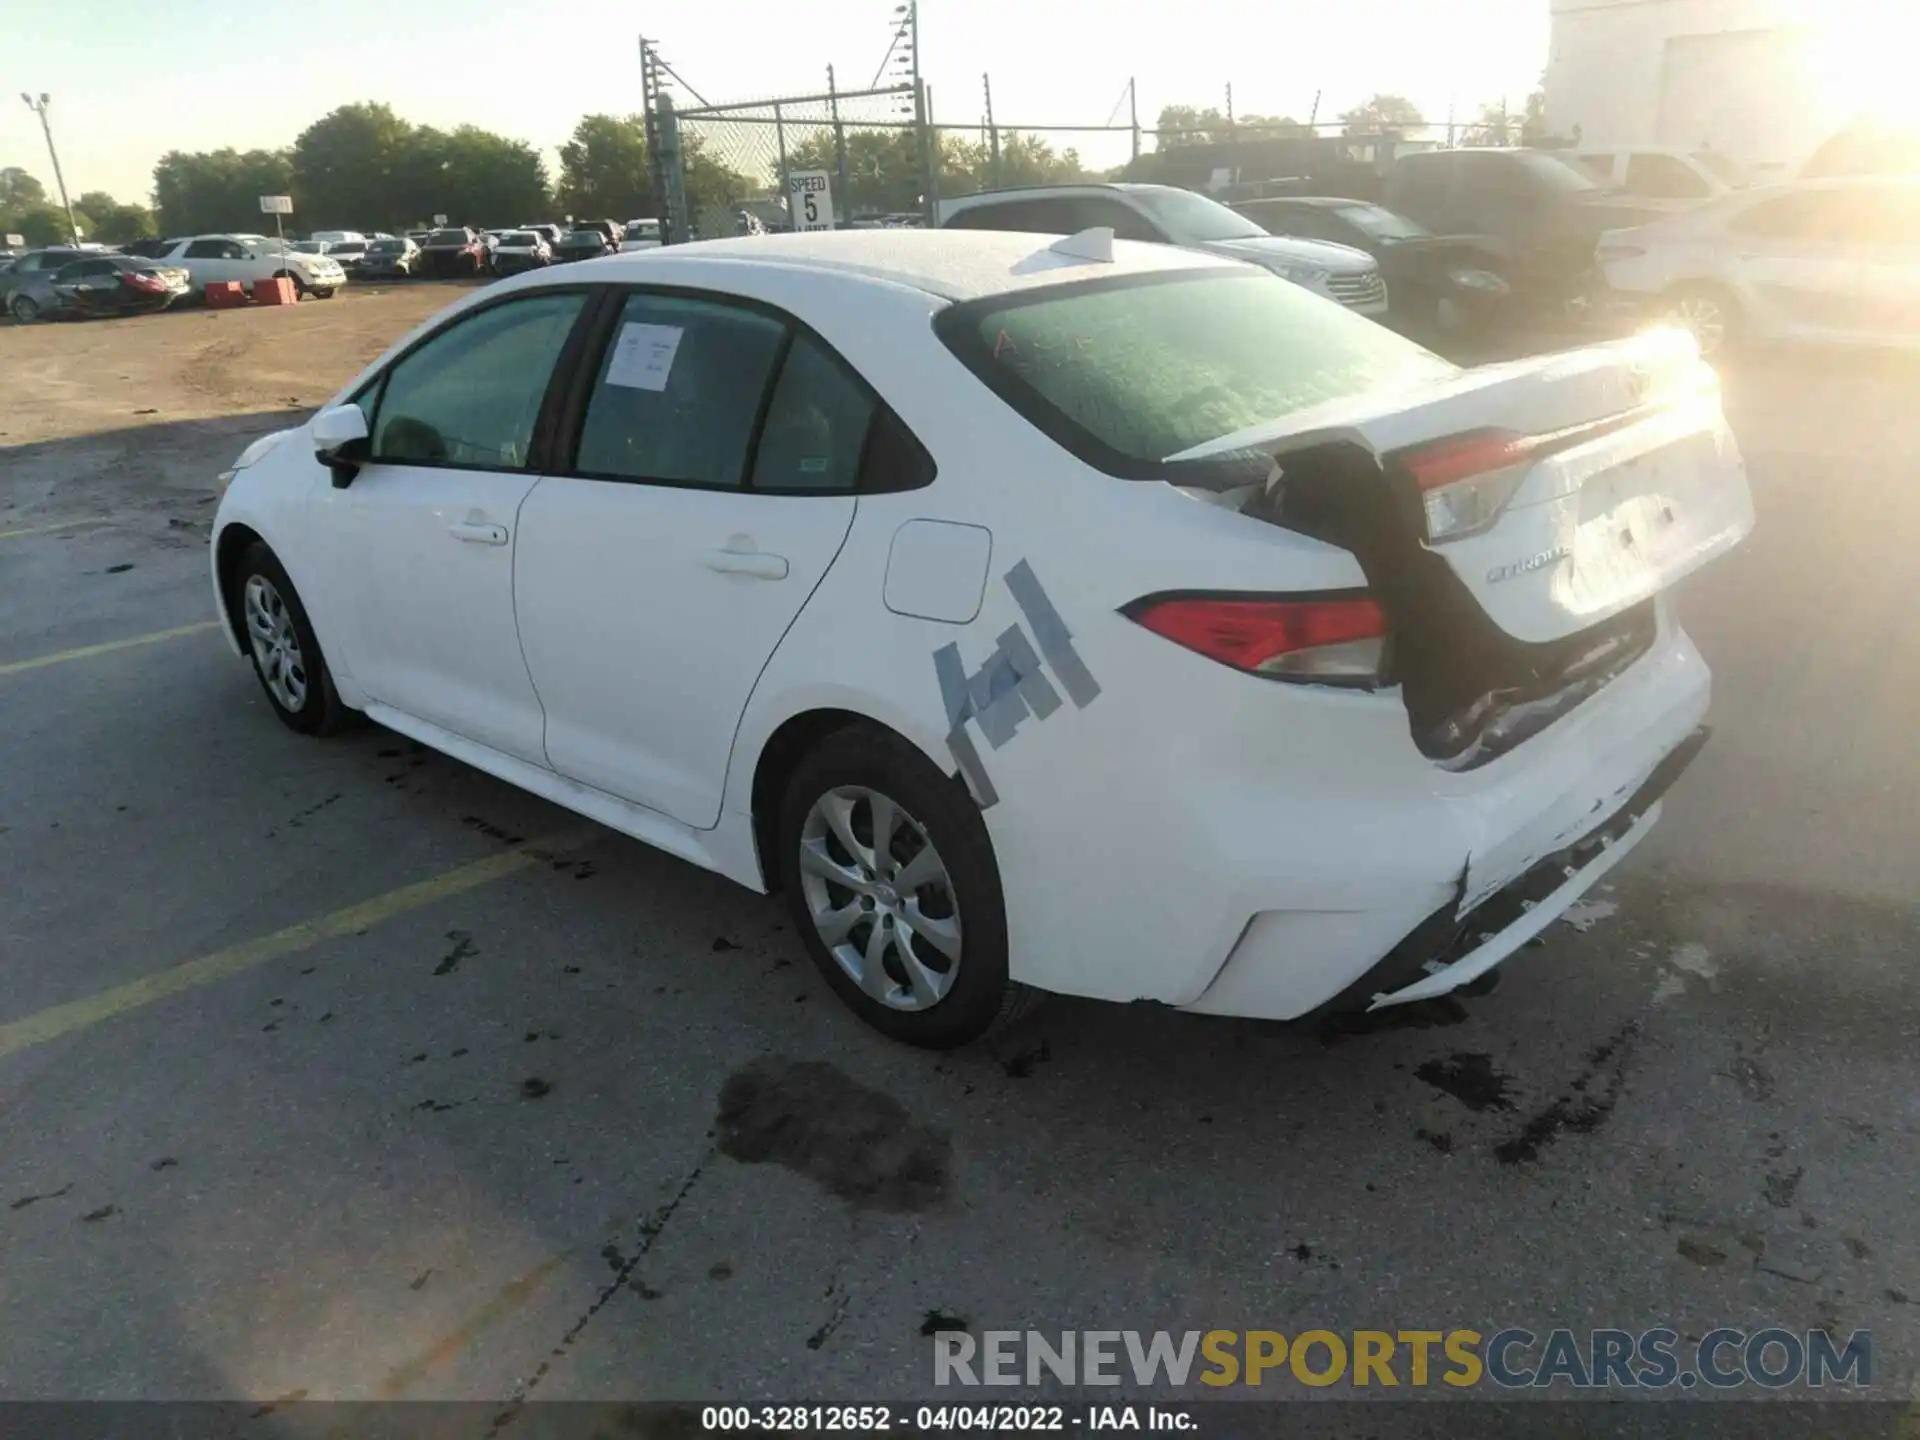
(1078, 616)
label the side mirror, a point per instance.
(340, 442)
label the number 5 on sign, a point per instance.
(810, 200)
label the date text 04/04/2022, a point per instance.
(933, 1418)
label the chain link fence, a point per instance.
(888, 158)
(736, 159)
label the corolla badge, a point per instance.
(1530, 564)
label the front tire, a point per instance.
(280, 640)
(299, 285)
(893, 888)
(1710, 314)
(24, 308)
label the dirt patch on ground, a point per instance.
(84, 377)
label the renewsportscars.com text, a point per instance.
(1772, 1358)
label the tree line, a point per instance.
(362, 166)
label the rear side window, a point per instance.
(470, 396)
(679, 390)
(1127, 373)
(816, 425)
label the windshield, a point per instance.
(448, 237)
(347, 247)
(520, 238)
(1190, 219)
(1382, 223)
(1723, 168)
(1129, 372)
(586, 237)
(386, 247)
(308, 247)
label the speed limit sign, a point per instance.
(810, 200)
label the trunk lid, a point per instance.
(1634, 480)
(1616, 477)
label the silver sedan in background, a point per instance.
(1815, 260)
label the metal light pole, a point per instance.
(39, 107)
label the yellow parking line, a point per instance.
(59, 1020)
(50, 529)
(86, 652)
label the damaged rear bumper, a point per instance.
(1452, 947)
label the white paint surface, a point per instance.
(1140, 837)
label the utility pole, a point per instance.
(1133, 114)
(839, 138)
(993, 131)
(39, 108)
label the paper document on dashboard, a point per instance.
(643, 356)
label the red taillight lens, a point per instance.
(1335, 640)
(142, 280)
(1464, 456)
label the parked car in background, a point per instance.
(1868, 147)
(955, 530)
(1811, 260)
(641, 235)
(419, 237)
(97, 285)
(549, 233)
(390, 259)
(1541, 211)
(612, 229)
(1664, 177)
(581, 245)
(520, 250)
(1443, 282)
(29, 265)
(248, 258)
(1168, 216)
(151, 248)
(448, 253)
(337, 237)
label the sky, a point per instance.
(131, 80)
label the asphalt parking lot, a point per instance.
(338, 1070)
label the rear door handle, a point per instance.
(477, 532)
(746, 562)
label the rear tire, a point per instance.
(24, 308)
(280, 640)
(911, 934)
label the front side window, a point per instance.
(679, 390)
(1128, 373)
(470, 395)
(207, 250)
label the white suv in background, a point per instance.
(209, 259)
(1665, 176)
(1169, 216)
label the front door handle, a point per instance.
(477, 532)
(746, 562)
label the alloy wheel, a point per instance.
(880, 897)
(1705, 317)
(276, 643)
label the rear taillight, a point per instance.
(1328, 640)
(1465, 481)
(143, 280)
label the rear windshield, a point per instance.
(386, 247)
(1127, 372)
(448, 237)
(519, 237)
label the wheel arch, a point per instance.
(787, 745)
(228, 546)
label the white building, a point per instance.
(1756, 79)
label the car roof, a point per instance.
(1325, 202)
(952, 264)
